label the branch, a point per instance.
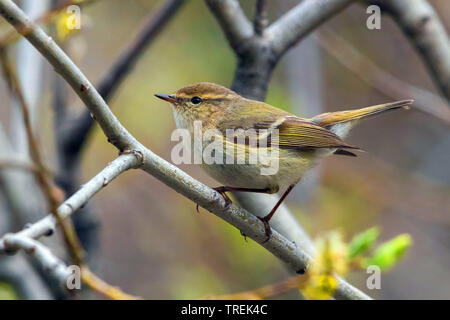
(267, 291)
(52, 264)
(232, 19)
(58, 269)
(422, 26)
(260, 21)
(299, 21)
(25, 239)
(75, 137)
(47, 225)
(293, 255)
(19, 164)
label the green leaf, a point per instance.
(390, 252)
(362, 242)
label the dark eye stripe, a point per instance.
(203, 99)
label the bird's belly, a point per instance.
(291, 167)
(241, 176)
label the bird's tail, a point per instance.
(332, 118)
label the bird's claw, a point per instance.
(267, 228)
(227, 199)
(245, 236)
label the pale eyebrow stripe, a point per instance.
(207, 98)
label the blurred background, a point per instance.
(153, 243)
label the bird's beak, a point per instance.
(166, 97)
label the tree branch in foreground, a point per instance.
(293, 255)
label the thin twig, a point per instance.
(103, 288)
(267, 291)
(55, 266)
(20, 164)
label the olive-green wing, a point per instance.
(294, 132)
(298, 133)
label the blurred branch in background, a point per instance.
(16, 270)
(381, 80)
(260, 21)
(206, 197)
(422, 26)
(58, 269)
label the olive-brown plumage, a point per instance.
(301, 142)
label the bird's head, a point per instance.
(201, 100)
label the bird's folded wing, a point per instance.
(298, 133)
(293, 132)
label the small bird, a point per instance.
(302, 142)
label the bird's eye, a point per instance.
(196, 100)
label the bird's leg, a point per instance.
(223, 189)
(267, 218)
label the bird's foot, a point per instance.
(267, 228)
(244, 235)
(222, 191)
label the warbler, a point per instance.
(300, 144)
